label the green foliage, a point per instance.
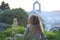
(5, 34)
(8, 15)
(8, 32)
(20, 30)
(4, 6)
(53, 35)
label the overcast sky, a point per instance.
(46, 5)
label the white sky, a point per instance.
(46, 5)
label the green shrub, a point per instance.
(21, 30)
(8, 32)
(53, 35)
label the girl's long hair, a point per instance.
(36, 20)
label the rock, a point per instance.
(18, 37)
(9, 38)
(2, 26)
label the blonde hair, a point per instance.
(41, 24)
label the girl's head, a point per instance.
(33, 19)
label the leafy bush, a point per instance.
(8, 32)
(21, 30)
(53, 35)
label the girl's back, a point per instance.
(33, 29)
(33, 32)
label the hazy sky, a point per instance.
(46, 5)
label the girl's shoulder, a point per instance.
(32, 25)
(29, 26)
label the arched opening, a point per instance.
(36, 6)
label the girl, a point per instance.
(34, 30)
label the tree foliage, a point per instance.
(8, 15)
(4, 6)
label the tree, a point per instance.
(8, 15)
(4, 6)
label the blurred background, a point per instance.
(14, 15)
